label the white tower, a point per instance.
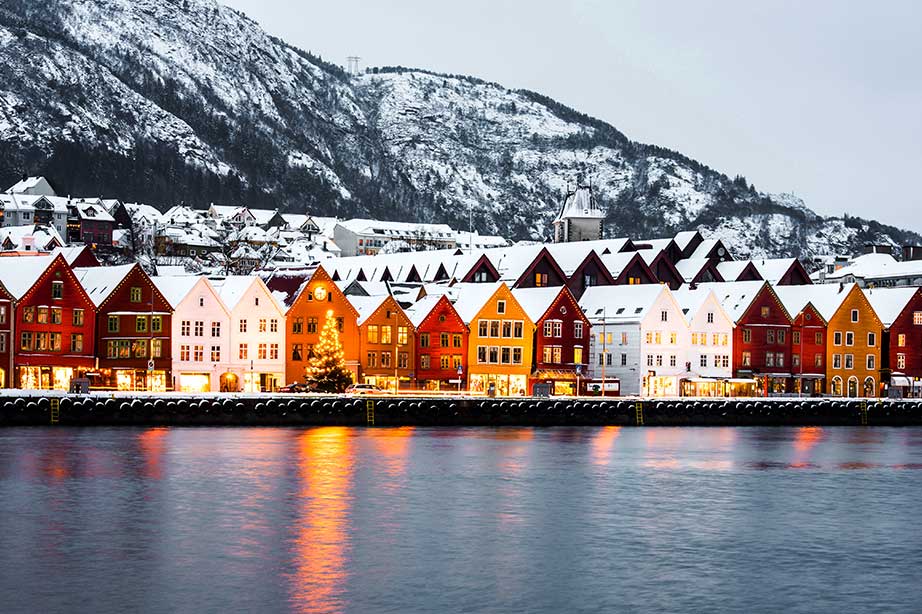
(580, 218)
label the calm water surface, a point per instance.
(461, 520)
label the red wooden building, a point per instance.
(808, 351)
(53, 323)
(133, 328)
(561, 343)
(762, 337)
(441, 343)
(900, 312)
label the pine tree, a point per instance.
(326, 369)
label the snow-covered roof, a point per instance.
(326, 224)
(705, 248)
(735, 296)
(682, 239)
(418, 311)
(31, 237)
(20, 202)
(730, 270)
(100, 281)
(691, 300)
(145, 214)
(690, 268)
(620, 304)
(469, 299)
(180, 214)
(616, 262)
(92, 210)
(71, 252)
(877, 266)
(176, 288)
(19, 274)
(366, 305)
(263, 216)
(32, 185)
(580, 204)
(232, 288)
(889, 303)
(398, 229)
(773, 269)
(826, 299)
(536, 301)
(569, 256)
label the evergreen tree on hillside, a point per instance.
(327, 370)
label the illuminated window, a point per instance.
(456, 341)
(445, 362)
(262, 325)
(747, 359)
(372, 333)
(901, 340)
(243, 351)
(262, 351)
(901, 361)
(134, 295)
(216, 353)
(386, 338)
(157, 348)
(198, 353)
(184, 353)
(917, 317)
(215, 329)
(56, 315)
(403, 336)
(540, 280)
(140, 324)
(765, 311)
(273, 351)
(156, 324)
(297, 325)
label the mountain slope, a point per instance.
(167, 101)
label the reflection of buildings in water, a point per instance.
(603, 443)
(325, 465)
(392, 446)
(152, 444)
(806, 438)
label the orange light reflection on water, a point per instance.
(325, 463)
(392, 446)
(151, 442)
(603, 443)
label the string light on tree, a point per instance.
(327, 367)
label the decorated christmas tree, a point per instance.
(326, 369)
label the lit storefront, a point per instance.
(662, 385)
(505, 385)
(47, 377)
(261, 382)
(718, 387)
(139, 379)
(193, 382)
(562, 383)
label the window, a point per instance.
(703, 360)
(901, 361)
(673, 338)
(769, 359)
(385, 360)
(837, 338)
(481, 354)
(659, 360)
(42, 315)
(849, 361)
(456, 361)
(76, 343)
(262, 325)
(256, 301)
(216, 353)
(28, 314)
(112, 324)
(482, 326)
(747, 335)
(424, 361)
(140, 324)
(199, 328)
(297, 326)
(201, 301)
(494, 328)
(710, 317)
(854, 315)
(649, 360)
(243, 351)
(917, 318)
(779, 359)
(500, 307)
(648, 336)
(623, 360)
(156, 350)
(371, 359)
(517, 328)
(769, 336)
(274, 325)
(795, 360)
(872, 340)
(339, 323)
(444, 362)
(372, 333)
(54, 342)
(297, 351)
(578, 355)
(57, 289)
(403, 335)
(672, 360)
(456, 341)
(424, 340)
(516, 356)
(747, 359)
(156, 324)
(184, 353)
(262, 351)
(837, 361)
(243, 326)
(312, 324)
(548, 329)
(725, 361)
(623, 338)
(215, 329)
(817, 360)
(818, 338)
(765, 311)
(781, 336)
(273, 351)
(664, 316)
(869, 362)
(657, 338)
(403, 360)
(386, 338)
(184, 328)
(540, 280)
(134, 294)
(901, 340)
(577, 330)
(849, 338)
(198, 353)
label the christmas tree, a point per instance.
(326, 369)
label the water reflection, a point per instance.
(603, 443)
(152, 444)
(325, 465)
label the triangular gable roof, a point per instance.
(620, 304)
(426, 306)
(20, 274)
(593, 256)
(733, 270)
(543, 255)
(890, 303)
(100, 282)
(736, 297)
(233, 288)
(773, 270)
(176, 289)
(826, 299)
(692, 269)
(470, 299)
(367, 306)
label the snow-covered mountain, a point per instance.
(167, 101)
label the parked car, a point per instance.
(294, 387)
(364, 389)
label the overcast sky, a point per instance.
(820, 98)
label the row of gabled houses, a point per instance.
(62, 316)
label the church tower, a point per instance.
(580, 218)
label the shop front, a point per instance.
(138, 379)
(389, 383)
(558, 382)
(48, 377)
(662, 385)
(261, 381)
(809, 384)
(773, 383)
(193, 382)
(719, 387)
(502, 385)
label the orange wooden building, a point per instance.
(386, 342)
(500, 344)
(853, 346)
(307, 298)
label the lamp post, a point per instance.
(604, 340)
